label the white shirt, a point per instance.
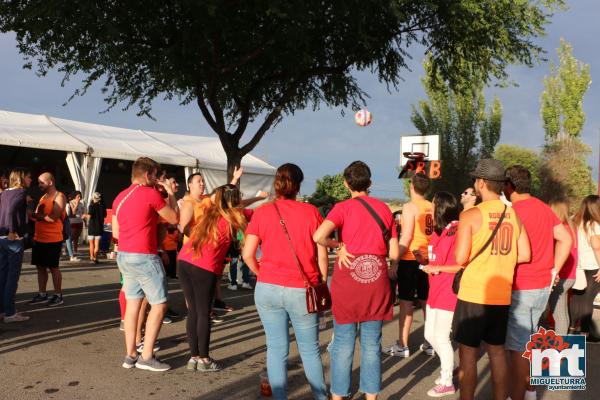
(585, 254)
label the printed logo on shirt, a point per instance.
(556, 361)
(366, 268)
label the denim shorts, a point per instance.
(524, 314)
(143, 275)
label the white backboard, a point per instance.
(428, 144)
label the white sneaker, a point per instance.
(246, 286)
(530, 395)
(426, 347)
(232, 287)
(16, 317)
(74, 259)
(396, 350)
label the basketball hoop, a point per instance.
(415, 156)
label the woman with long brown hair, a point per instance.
(200, 263)
(587, 222)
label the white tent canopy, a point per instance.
(87, 144)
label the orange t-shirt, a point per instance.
(199, 209)
(423, 229)
(171, 239)
(488, 279)
(48, 232)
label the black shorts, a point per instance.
(46, 254)
(474, 322)
(411, 281)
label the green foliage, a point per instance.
(562, 101)
(242, 61)
(565, 173)
(467, 132)
(516, 155)
(329, 190)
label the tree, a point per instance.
(562, 101)
(256, 61)
(467, 133)
(516, 155)
(329, 190)
(565, 171)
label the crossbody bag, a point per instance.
(318, 298)
(384, 230)
(459, 274)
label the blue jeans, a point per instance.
(11, 259)
(342, 353)
(524, 314)
(143, 275)
(276, 306)
(69, 244)
(233, 271)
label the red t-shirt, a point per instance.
(362, 292)
(212, 256)
(277, 265)
(138, 217)
(539, 221)
(568, 269)
(360, 232)
(441, 295)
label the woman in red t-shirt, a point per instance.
(441, 301)
(280, 293)
(558, 303)
(200, 263)
(360, 288)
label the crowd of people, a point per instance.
(486, 269)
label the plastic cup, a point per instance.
(265, 386)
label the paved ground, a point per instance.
(74, 351)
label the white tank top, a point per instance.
(585, 254)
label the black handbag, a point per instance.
(459, 274)
(318, 298)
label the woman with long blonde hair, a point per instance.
(559, 297)
(587, 222)
(200, 263)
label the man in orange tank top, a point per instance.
(481, 312)
(48, 239)
(417, 227)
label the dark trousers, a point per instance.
(171, 269)
(582, 304)
(11, 259)
(199, 290)
(233, 271)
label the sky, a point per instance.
(323, 142)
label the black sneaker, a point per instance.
(171, 314)
(55, 300)
(220, 305)
(39, 299)
(215, 318)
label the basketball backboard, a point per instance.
(426, 144)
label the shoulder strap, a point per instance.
(125, 198)
(289, 240)
(385, 231)
(491, 238)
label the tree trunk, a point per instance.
(234, 159)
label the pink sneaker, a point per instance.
(441, 391)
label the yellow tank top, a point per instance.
(199, 209)
(48, 232)
(488, 279)
(423, 229)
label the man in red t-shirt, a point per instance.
(134, 223)
(533, 281)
